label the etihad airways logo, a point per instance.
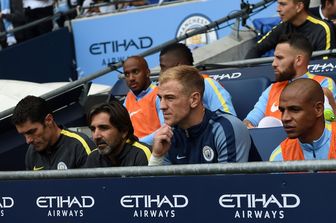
(5, 203)
(259, 206)
(65, 206)
(154, 206)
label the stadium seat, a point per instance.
(267, 139)
(119, 88)
(245, 93)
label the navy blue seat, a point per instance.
(267, 139)
(120, 88)
(245, 93)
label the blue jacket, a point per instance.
(219, 138)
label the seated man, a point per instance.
(326, 10)
(309, 136)
(50, 146)
(113, 133)
(291, 59)
(295, 19)
(191, 133)
(141, 101)
(215, 96)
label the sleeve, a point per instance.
(232, 140)
(276, 155)
(259, 109)
(266, 43)
(89, 163)
(326, 38)
(28, 159)
(141, 159)
(83, 148)
(216, 97)
(330, 84)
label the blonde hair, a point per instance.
(187, 76)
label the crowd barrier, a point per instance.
(217, 196)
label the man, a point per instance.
(192, 133)
(295, 19)
(326, 11)
(309, 136)
(11, 16)
(215, 96)
(141, 101)
(291, 59)
(50, 146)
(113, 134)
(35, 10)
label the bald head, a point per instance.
(306, 89)
(302, 108)
(136, 74)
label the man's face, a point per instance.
(287, 10)
(37, 134)
(283, 63)
(298, 115)
(167, 61)
(108, 138)
(331, 9)
(175, 104)
(136, 74)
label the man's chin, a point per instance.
(104, 150)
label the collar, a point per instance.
(145, 92)
(306, 75)
(196, 130)
(321, 142)
(321, 13)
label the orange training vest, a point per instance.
(291, 149)
(272, 107)
(143, 114)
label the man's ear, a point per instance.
(299, 7)
(195, 99)
(49, 119)
(319, 109)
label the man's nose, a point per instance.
(29, 139)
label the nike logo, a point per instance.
(38, 168)
(180, 157)
(274, 107)
(133, 113)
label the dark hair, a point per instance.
(119, 117)
(297, 41)
(305, 3)
(31, 108)
(179, 50)
(323, 3)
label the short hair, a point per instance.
(298, 41)
(305, 3)
(308, 88)
(119, 117)
(188, 76)
(31, 108)
(140, 59)
(181, 51)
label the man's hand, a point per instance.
(248, 124)
(162, 140)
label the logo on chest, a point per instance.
(62, 166)
(208, 153)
